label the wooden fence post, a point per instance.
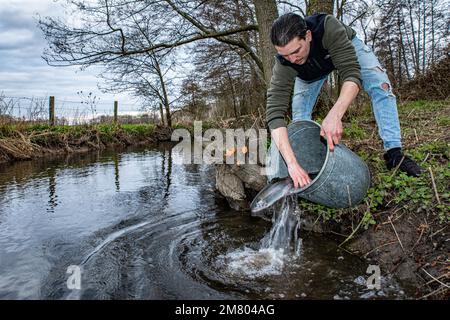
(116, 106)
(51, 109)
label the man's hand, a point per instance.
(332, 129)
(299, 176)
(332, 124)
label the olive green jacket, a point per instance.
(337, 40)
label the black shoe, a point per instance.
(394, 156)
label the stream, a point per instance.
(136, 225)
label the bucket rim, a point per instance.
(323, 165)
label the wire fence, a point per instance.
(54, 111)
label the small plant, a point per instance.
(354, 131)
(89, 100)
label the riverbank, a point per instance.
(25, 142)
(402, 225)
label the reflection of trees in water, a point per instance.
(167, 172)
(116, 159)
(159, 168)
(159, 179)
(52, 196)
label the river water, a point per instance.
(136, 225)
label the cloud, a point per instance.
(23, 72)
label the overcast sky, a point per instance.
(22, 70)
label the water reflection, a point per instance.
(52, 199)
(167, 171)
(116, 159)
(142, 226)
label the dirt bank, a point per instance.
(30, 142)
(402, 225)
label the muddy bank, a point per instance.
(401, 244)
(26, 143)
(410, 244)
(402, 224)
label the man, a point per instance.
(308, 50)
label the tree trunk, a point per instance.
(266, 12)
(339, 9)
(424, 22)
(164, 91)
(233, 93)
(325, 6)
(161, 113)
(432, 32)
(413, 33)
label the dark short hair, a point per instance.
(287, 27)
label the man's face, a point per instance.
(297, 50)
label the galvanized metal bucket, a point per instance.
(340, 178)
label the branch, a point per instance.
(293, 6)
(189, 18)
(92, 58)
(358, 17)
(113, 29)
(220, 38)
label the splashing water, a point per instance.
(286, 222)
(279, 246)
(271, 194)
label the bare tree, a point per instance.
(111, 29)
(145, 77)
(111, 33)
(266, 13)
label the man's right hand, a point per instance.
(299, 176)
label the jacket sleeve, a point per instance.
(279, 94)
(342, 52)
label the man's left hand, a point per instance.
(332, 129)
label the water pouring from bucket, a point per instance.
(279, 246)
(340, 179)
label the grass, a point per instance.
(400, 212)
(425, 137)
(21, 141)
(9, 130)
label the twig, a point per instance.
(441, 276)
(339, 234)
(435, 233)
(418, 240)
(314, 224)
(385, 244)
(394, 213)
(399, 241)
(261, 117)
(445, 285)
(434, 185)
(410, 112)
(434, 292)
(353, 232)
(426, 157)
(256, 119)
(398, 166)
(415, 133)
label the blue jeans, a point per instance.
(374, 78)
